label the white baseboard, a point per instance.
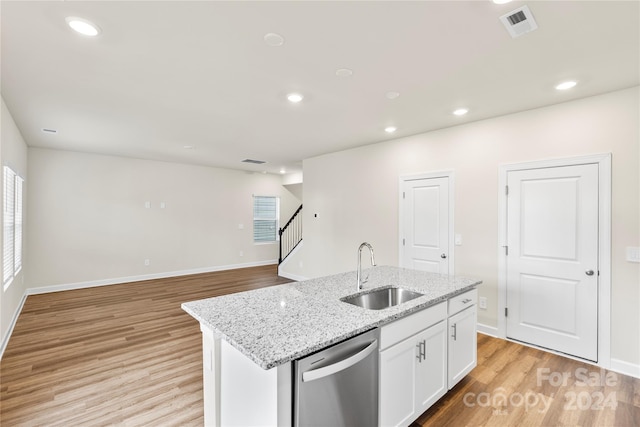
(487, 330)
(625, 368)
(129, 279)
(292, 276)
(14, 319)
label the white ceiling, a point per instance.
(163, 75)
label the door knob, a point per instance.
(443, 256)
(589, 272)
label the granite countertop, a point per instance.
(278, 324)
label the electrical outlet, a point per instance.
(482, 302)
(241, 253)
(147, 262)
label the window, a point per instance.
(266, 211)
(12, 223)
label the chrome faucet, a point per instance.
(373, 263)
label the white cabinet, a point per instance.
(412, 365)
(462, 345)
(431, 382)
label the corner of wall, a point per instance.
(13, 152)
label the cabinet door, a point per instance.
(431, 370)
(462, 344)
(397, 400)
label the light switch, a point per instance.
(147, 205)
(633, 254)
(163, 205)
(458, 240)
(240, 226)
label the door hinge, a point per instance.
(506, 249)
(506, 312)
(402, 242)
(506, 190)
(403, 195)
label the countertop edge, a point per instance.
(269, 364)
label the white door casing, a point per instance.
(426, 222)
(552, 259)
(567, 260)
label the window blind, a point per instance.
(12, 225)
(265, 218)
(8, 226)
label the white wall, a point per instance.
(13, 153)
(88, 222)
(355, 194)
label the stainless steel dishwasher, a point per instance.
(338, 386)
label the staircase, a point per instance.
(290, 235)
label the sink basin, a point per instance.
(382, 298)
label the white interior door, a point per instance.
(425, 207)
(552, 259)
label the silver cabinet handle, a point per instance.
(339, 366)
(455, 332)
(422, 350)
(466, 300)
(589, 272)
(443, 256)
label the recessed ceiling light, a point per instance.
(273, 39)
(390, 129)
(344, 72)
(83, 26)
(566, 85)
(188, 147)
(501, 1)
(392, 95)
(461, 111)
(295, 97)
(283, 170)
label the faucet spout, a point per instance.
(373, 262)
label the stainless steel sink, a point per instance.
(381, 298)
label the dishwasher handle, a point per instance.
(325, 371)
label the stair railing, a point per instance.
(290, 235)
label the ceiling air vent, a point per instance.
(255, 162)
(519, 21)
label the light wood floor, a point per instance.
(120, 354)
(515, 385)
(128, 355)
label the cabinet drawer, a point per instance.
(412, 324)
(462, 301)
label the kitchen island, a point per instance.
(251, 338)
